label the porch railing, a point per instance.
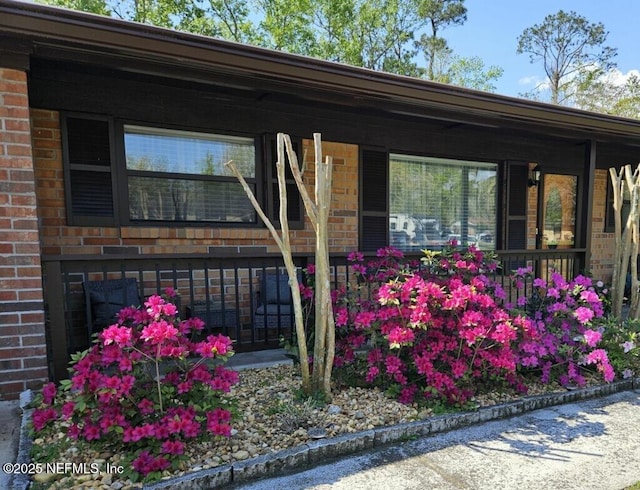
(224, 291)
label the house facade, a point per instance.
(113, 137)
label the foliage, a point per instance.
(437, 332)
(386, 35)
(438, 14)
(145, 389)
(621, 339)
(471, 73)
(564, 329)
(570, 48)
(610, 92)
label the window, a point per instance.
(181, 176)
(122, 174)
(435, 200)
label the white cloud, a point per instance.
(616, 77)
(534, 82)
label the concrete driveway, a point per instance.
(593, 444)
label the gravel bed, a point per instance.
(271, 418)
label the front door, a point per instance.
(557, 211)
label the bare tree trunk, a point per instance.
(632, 224)
(318, 213)
(284, 245)
(627, 239)
(617, 284)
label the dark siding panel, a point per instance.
(91, 193)
(516, 206)
(374, 229)
(374, 232)
(517, 239)
(375, 181)
(518, 190)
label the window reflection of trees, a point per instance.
(180, 198)
(432, 200)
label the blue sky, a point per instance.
(493, 27)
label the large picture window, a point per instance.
(435, 200)
(181, 176)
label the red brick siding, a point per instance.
(60, 239)
(602, 244)
(23, 360)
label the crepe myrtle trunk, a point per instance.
(626, 188)
(316, 382)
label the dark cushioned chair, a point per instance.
(274, 307)
(104, 299)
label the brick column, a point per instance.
(23, 352)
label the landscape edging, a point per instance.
(314, 452)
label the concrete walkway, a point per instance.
(593, 444)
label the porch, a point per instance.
(224, 291)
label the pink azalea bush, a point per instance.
(144, 388)
(564, 316)
(440, 330)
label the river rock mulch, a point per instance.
(271, 417)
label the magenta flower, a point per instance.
(584, 315)
(116, 334)
(49, 393)
(173, 447)
(400, 336)
(41, 417)
(592, 337)
(158, 332)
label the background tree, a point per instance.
(470, 73)
(438, 14)
(570, 49)
(611, 93)
(379, 35)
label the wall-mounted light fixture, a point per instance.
(534, 177)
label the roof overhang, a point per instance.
(39, 30)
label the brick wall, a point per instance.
(602, 244)
(60, 239)
(532, 212)
(23, 362)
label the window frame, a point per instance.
(120, 174)
(124, 173)
(457, 159)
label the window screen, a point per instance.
(181, 176)
(435, 200)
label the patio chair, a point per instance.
(274, 305)
(104, 299)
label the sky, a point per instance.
(493, 26)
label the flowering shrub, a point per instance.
(564, 334)
(433, 331)
(620, 339)
(144, 388)
(441, 329)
